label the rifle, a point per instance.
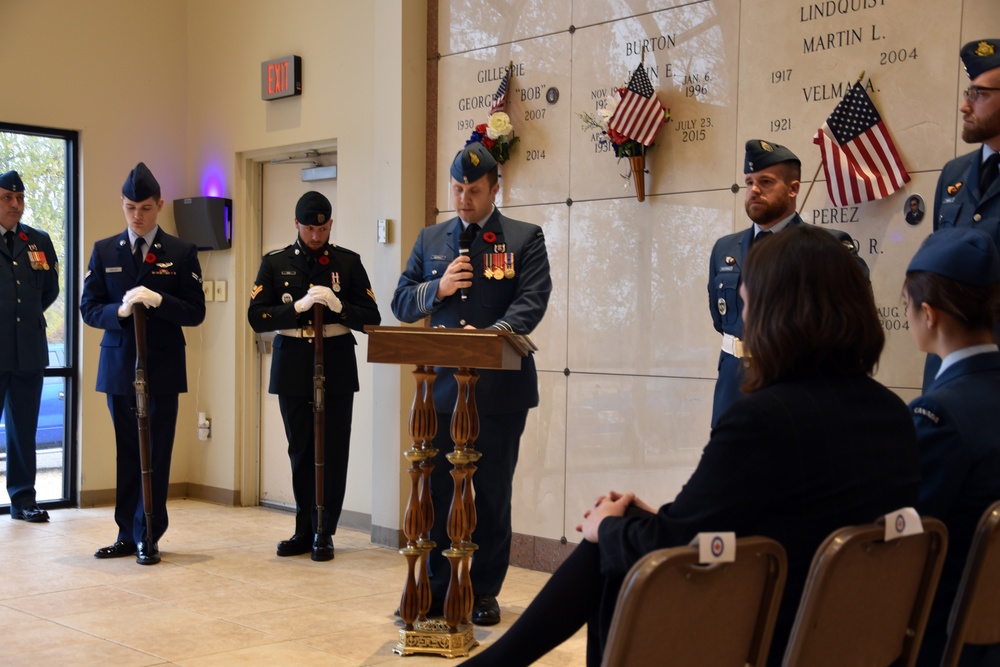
(319, 408)
(142, 416)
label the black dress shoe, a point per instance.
(30, 514)
(296, 545)
(322, 547)
(486, 611)
(116, 550)
(148, 553)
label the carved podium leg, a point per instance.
(453, 637)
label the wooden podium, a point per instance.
(466, 350)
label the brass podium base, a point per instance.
(432, 637)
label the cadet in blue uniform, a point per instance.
(142, 265)
(968, 190)
(952, 295)
(772, 181)
(503, 283)
(29, 283)
(290, 281)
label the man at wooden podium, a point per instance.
(479, 270)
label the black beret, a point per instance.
(980, 56)
(761, 155)
(11, 180)
(140, 184)
(960, 253)
(313, 209)
(471, 163)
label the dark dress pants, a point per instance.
(130, 513)
(298, 417)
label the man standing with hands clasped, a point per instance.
(289, 283)
(142, 265)
(968, 190)
(479, 270)
(772, 174)
(29, 284)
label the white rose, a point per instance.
(498, 126)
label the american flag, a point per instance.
(639, 115)
(500, 97)
(859, 159)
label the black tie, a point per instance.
(138, 255)
(762, 236)
(988, 172)
(9, 238)
(473, 232)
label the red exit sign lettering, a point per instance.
(281, 77)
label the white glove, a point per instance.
(143, 295)
(125, 310)
(326, 296)
(305, 303)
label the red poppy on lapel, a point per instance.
(23, 236)
(324, 260)
(150, 258)
(489, 237)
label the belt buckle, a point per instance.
(308, 332)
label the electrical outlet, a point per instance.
(208, 287)
(220, 290)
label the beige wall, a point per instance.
(176, 84)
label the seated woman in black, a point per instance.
(816, 444)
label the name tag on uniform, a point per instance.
(288, 273)
(113, 269)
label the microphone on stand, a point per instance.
(464, 241)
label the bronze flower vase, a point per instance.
(638, 165)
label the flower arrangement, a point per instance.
(497, 134)
(620, 144)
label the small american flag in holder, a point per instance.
(639, 115)
(859, 159)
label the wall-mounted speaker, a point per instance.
(206, 222)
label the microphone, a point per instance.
(464, 241)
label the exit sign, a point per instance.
(281, 77)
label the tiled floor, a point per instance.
(220, 596)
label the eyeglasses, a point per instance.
(972, 92)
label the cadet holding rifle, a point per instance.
(315, 383)
(142, 265)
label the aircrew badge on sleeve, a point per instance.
(953, 189)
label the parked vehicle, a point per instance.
(52, 413)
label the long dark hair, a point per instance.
(810, 310)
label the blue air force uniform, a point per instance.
(956, 431)
(510, 300)
(959, 201)
(171, 269)
(284, 277)
(29, 284)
